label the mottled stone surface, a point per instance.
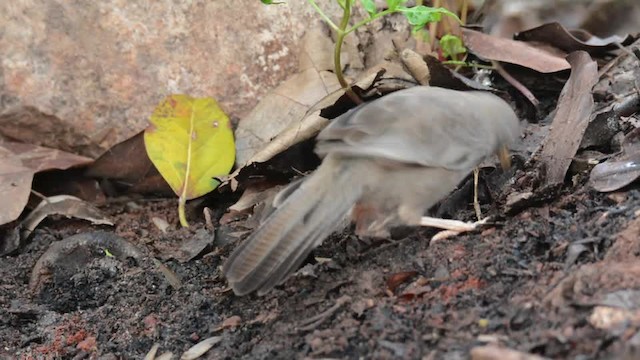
(89, 73)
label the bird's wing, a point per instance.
(303, 215)
(426, 126)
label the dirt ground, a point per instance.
(557, 277)
(509, 284)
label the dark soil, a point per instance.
(517, 283)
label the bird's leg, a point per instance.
(451, 225)
(455, 227)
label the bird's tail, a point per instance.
(304, 214)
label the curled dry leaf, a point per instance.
(64, 205)
(416, 66)
(558, 36)
(514, 52)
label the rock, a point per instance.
(82, 76)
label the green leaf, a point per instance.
(190, 142)
(419, 16)
(341, 3)
(370, 6)
(271, 2)
(393, 4)
(451, 46)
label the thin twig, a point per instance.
(314, 321)
(515, 83)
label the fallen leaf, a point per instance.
(40, 158)
(620, 171)
(442, 76)
(18, 163)
(190, 142)
(15, 185)
(380, 79)
(614, 175)
(64, 205)
(286, 105)
(137, 174)
(573, 112)
(514, 52)
(558, 36)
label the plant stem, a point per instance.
(464, 11)
(462, 63)
(337, 50)
(368, 20)
(181, 211)
(324, 16)
(433, 26)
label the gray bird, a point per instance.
(386, 162)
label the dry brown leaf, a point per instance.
(442, 76)
(558, 36)
(290, 101)
(137, 173)
(15, 185)
(312, 122)
(40, 158)
(64, 205)
(620, 171)
(18, 163)
(514, 52)
(575, 107)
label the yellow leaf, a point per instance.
(190, 141)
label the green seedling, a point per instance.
(452, 46)
(417, 16)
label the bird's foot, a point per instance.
(450, 227)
